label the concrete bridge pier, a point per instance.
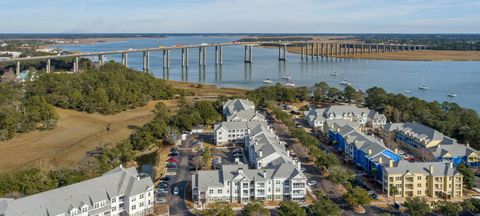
(221, 55)
(17, 69)
(306, 51)
(183, 60)
(186, 59)
(146, 61)
(414, 47)
(204, 56)
(301, 51)
(48, 66)
(125, 59)
(403, 48)
(409, 48)
(168, 59)
(354, 49)
(384, 48)
(370, 48)
(100, 60)
(317, 46)
(164, 58)
(362, 47)
(331, 49)
(391, 48)
(322, 53)
(313, 51)
(216, 55)
(200, 56)
(75, 64)
(282, 53)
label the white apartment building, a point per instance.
(121, 191)
(234, 132)
(239, 184)
(363, 116)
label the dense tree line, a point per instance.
(110, 89)
(33, 180)
(278, 92)
(449, 118)
(165, 126)
(463, 42)
(20, 113)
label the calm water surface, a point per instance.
(461, 78)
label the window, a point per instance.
(277, 182)
(134, 207)
(398, 178)
(419, 178)
(121, 198)
(114, 208)
(114, 199)
(96, 205)
(277, 189)
(84, 209)
(219, 191)
(419, 185)
(210, 191)
(134, 199)
(141, 204)
(142, 196)
(419, 192)
(103, 203)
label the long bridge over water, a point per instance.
(308, 49)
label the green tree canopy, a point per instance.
(357, 196)
(290, 208)
(324, 206)
(255, 209)
(417, 206)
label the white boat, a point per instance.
(345, 83)
(290, 83)
(452, 95)
(267, 81)
(423, 87)
(334, 74)
(408, 91)
(287, 77)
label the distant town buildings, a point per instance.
(272, 175)
(121, 191)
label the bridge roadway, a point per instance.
(308, 48)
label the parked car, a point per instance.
(171, 165)
(373, 194)
(166, 178)
(174, 149)
(237, 150)
(160, 200)
(175, 191)
(476, 189)
(173, 154)
(173, 160)
(312, 183)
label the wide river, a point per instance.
(442, 78)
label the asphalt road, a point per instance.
(180, 180)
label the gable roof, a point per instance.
(119, 181)
(416, 130)
(439, 168)
(236, 105)
(245, 115)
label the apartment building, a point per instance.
(121, 191)
(234, 132)
(363, 116)
(433, 179)
(239, 184)
(446, 149)
(367, 152)
(265, 149)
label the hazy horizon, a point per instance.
(236, 16)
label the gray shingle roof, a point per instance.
(416, 130)
(237, 105)
(240, 125)
(119, 181)
(245, 115)
(455, 149)
(439, 168)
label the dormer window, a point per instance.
(84, 208)
(74, 212)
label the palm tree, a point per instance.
(394, 191)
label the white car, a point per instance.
(476, 189)
(312, 183)
(175, 191)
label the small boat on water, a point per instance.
(334, 74)
(408, 91)
(290, 83)
(267, 81)
(452, 95)
(424, 87)
(286, 77)
(345, 83)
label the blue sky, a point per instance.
(216, 16)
